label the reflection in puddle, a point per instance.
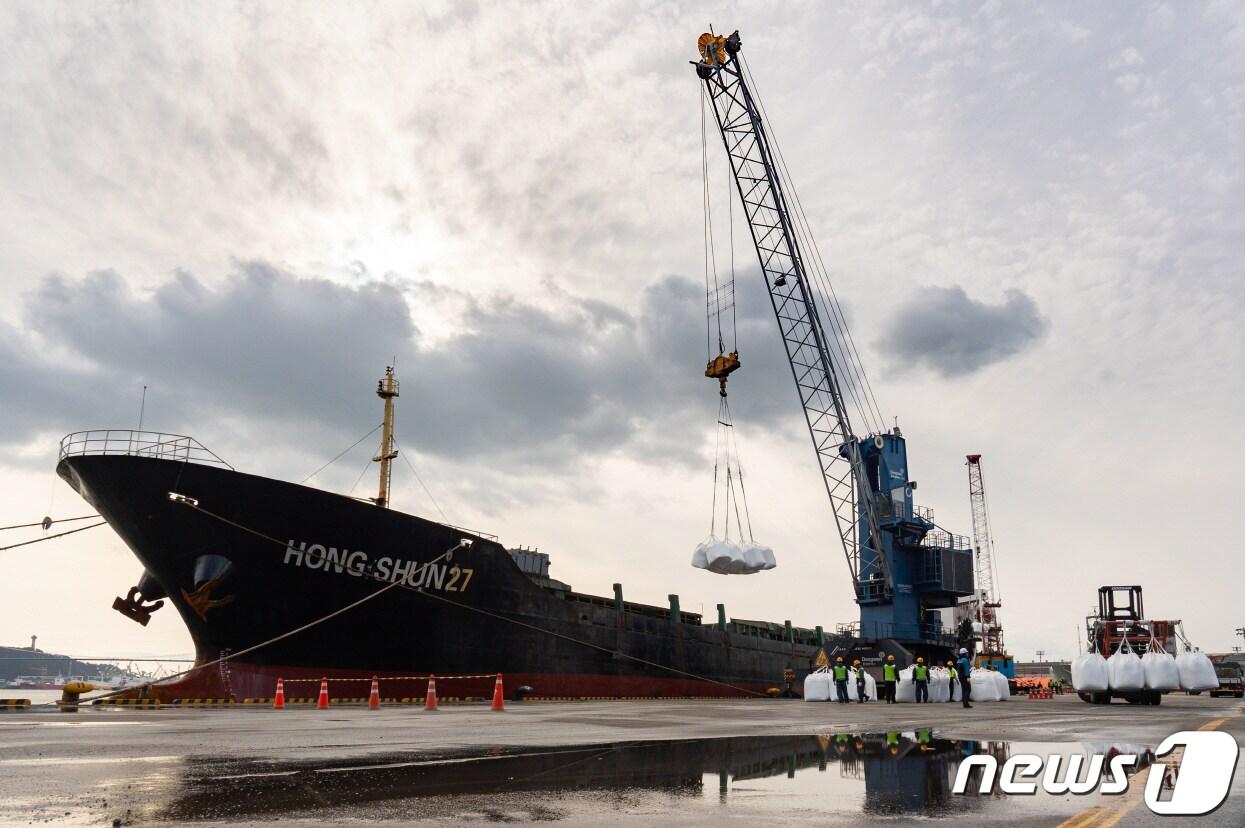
(837, 774)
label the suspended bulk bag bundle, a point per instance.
(1196, 671)
(1090, 673)
(1161, 671)
(817, 685)
(1124, 670)
(905, 689)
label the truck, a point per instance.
(1121, 617)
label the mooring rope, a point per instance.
(51, 537)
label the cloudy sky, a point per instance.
(1035, 220)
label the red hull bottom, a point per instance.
(241, 681)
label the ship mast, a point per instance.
(386, 389)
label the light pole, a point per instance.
(1041, 655)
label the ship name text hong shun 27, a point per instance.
(446, 577)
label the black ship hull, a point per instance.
(258, 558)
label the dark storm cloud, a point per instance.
(268, 358)
(946, 330)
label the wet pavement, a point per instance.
(607, 763)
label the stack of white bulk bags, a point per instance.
(1124, 670)
(871, 686)
(1090, 673)
(818, 685)
(1159, 666)
(905, 689)
(726, 557)
(938, 680)
(1196, 671)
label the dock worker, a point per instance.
(889, 676)
(955, 677)
(920, 677)
(965, 667)
(840, 679)
(860, 682)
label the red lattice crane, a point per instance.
(986, 602)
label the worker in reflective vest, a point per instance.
(920, 676)
(860, 681)
(840, 679)
(889, 676)
(955, 678)
(965, 667)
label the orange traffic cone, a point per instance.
(498, 695)
(323, 702)
(430, 703)
(278, 701)
(373, 699)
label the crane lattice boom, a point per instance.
(765, 209)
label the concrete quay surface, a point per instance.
(590, 763)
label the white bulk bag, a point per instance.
(1005, 689)
(983, 685)
(905, 689)
(1161, 672)
(722, 555)
(818, 685)
(938, 684)
(1196, 671)
(1124, 670)
(1090, 673)
(871, 686)
(700, 557)
(758, 556)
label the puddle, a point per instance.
(840, 777)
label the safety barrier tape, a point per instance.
(14, 704)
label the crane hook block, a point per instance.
(720, 367)
(712, 48)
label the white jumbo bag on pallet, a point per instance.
(1124, 670)
(1159, 666)
(905, 689)
(1090, 673)
(1196, 671)
(818, 685)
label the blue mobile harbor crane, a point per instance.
(904, 568)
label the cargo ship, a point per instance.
(290, 581)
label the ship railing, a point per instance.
(177, 447)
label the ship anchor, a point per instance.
(136, 608)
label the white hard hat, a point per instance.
(963, 651)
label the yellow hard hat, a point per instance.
(890, 658)
(857, 661)
(950, 663)
(840, 658)
(920, 660)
